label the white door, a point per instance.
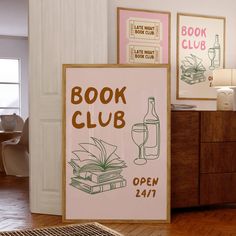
(60, 31)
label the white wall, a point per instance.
(224, 8)
(17, 47)
(14, 17)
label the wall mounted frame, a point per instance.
(200, 50)
(143, 36)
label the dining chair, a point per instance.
(15, 153)
(19, 123)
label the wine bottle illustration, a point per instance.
(217, 52)
(151, 120)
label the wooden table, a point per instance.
(6, 135)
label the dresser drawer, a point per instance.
(184, 158)
(218, 157)
(218, 126)
(185, 127)
(184, 175)
(217, 188)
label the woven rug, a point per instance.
(89, 229)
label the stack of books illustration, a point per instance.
(97, 168)
(193, 70)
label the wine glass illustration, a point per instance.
(139, 134)
(211, 55)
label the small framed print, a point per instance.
(200, 50)
(143, 36)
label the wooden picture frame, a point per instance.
(105, 174)
(143, 36)
(200, 50)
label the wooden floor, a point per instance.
(14, 214)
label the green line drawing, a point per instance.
(146, 135)
(214, 54)
(192, 70)
(97, 168)
(94, 188)
(211, 55)
(139, 134)
(152, 121)
(216, 47)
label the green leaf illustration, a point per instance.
(97, 156)
(192, 64)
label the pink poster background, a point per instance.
(124, 40)
(121, 203)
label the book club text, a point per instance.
(199, 38)
(90, 96)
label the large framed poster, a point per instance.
(143, 36)
(200, 50)
(117, 140)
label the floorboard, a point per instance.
(215, 221)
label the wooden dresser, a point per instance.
(203, 158)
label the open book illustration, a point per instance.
(96, 167)
(193, 70)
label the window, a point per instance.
(9, 86)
